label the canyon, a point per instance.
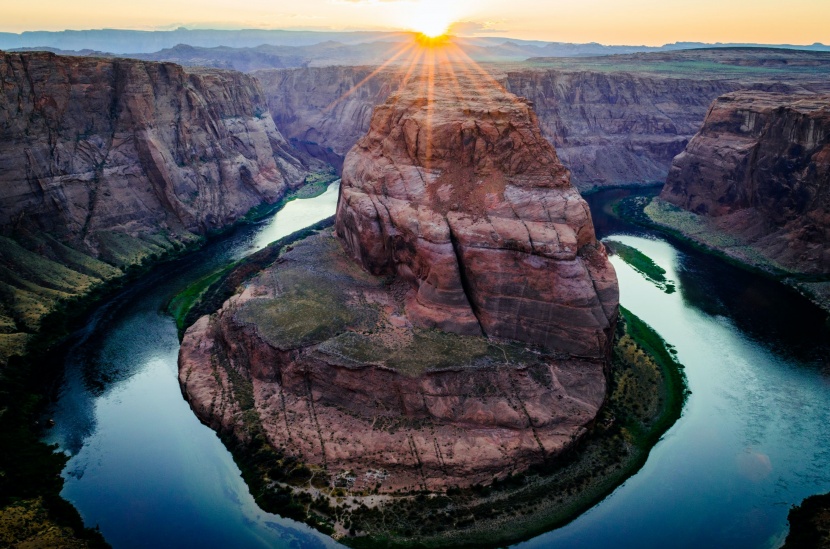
(109, 163)
(755, 183)
(459, 312)
(364, 355)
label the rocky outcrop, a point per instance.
(364, 357)
(462, 197)
(760, 170)
(107, 162)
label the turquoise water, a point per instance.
(753, 439)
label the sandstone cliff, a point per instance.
(616, 128)
(614, 120)
(106, 162)
(329, 108)
(758, 175)
(376, 372)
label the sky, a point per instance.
(632, 22)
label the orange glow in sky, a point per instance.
(636, 22)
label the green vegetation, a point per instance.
(425, 350)
(30, 481)
(643, 264)
(309, 310)
(206, 291)
(207, 294)
(809, 524)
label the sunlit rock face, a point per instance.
(759, 169)
(455, 191)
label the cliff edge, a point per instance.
(757, 178)
(107, 163)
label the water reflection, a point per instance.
(755, 433)
(752, 441)
(143, 468)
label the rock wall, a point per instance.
(96, 144)
(608, 128)
(330, 107)
(322, 358)
(460, 195)
(613, 128)
(107, 162)
(760, 170)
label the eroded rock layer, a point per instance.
(460, 195)
(760, 170)
(90, 145)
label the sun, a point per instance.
(431, 26)
(431, 18)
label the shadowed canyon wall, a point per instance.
(760, 170)
(608, 129)
(107, 162)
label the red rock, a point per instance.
(91, 145)
(760, 170)
(464, 199)
(365, 356)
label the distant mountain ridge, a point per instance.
(121, 41)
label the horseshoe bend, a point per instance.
(452, 328)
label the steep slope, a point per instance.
(364, 357)
(326, 110)
(758, 177)
(105, 163)
(616, 128)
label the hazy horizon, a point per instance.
(635, 23)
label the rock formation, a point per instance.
(760, 168)
(380, 378)
(106, 162)
(326, 110)
(464, 199)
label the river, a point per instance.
(753, 440)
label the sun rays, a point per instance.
(438, 65)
